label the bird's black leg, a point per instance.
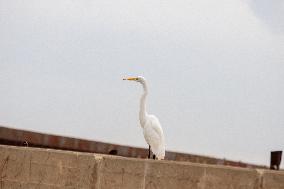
(154, 156)
(149, 152)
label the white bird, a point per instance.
(152, 130)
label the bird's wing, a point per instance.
(157, 126)
(154, 136)
(156, 129)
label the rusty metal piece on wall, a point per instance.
(275, 160)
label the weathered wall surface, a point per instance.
(24, 167)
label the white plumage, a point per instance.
(154, 136)
(152, 130)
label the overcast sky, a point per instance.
(215, 71)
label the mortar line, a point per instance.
(145, 173)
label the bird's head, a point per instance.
(139, 79)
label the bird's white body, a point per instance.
(152, 130)
(154, 136)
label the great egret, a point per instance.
(152, 130)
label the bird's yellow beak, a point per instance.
(131, 78)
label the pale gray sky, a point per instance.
(215, 71)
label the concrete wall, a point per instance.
(25, 167)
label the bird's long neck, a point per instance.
(143, 113)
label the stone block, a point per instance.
(169, 174)
(118, 173)
(221, 177)
(44, 168)
(14, 164)
(272, 180)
